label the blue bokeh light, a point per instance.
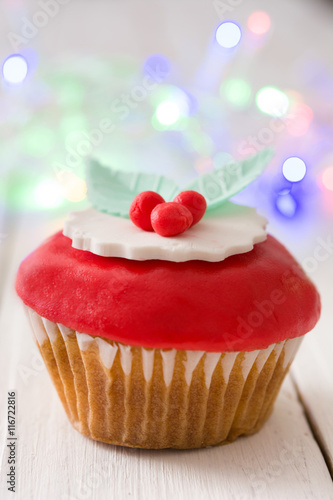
(158, 67)
(286, 205)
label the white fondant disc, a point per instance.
(229, 230)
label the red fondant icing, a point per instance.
(245, 302)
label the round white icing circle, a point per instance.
(229, 230)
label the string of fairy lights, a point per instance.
(58, 117)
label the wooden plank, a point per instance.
(56, 462)
(313, 367)
(7, 225)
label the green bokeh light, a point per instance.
(201, 143)
(237, 91)
(70, 92)
(123, 68)
(73, 122)
(37, 141)
(25, 190)
(198, 139)
(15, 189)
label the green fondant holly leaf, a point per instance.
(113, 191)
(224, 182)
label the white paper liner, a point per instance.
(44, 329)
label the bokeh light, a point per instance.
(272, 101)
(237, 91)
(202, 143)
(15, 69)
(168, 112)
(157, 66)
(16, 187)
(228, 34)
(203, 164)
(77, 191)
(72, 122)
(327, 178)
(259, 22)
(71, 93)
(172, 106)
(286, 205)
(300, 120)
(74, 188)
(48, 194)
(294, 169)
(294, 96)
(37, 140)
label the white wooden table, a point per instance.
(292, 457)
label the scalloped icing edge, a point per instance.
(227, 231)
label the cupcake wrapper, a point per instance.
(160, 398)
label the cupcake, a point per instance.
(166, 341)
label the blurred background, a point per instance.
(177, 88)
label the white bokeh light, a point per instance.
(15, 69)
(48, 194)
(168, 112)
(294, 169)
(272, 101)
(228, 35)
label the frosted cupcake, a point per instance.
(166, 342)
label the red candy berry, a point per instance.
(170, 219)
(195, 203)
(142, 207)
